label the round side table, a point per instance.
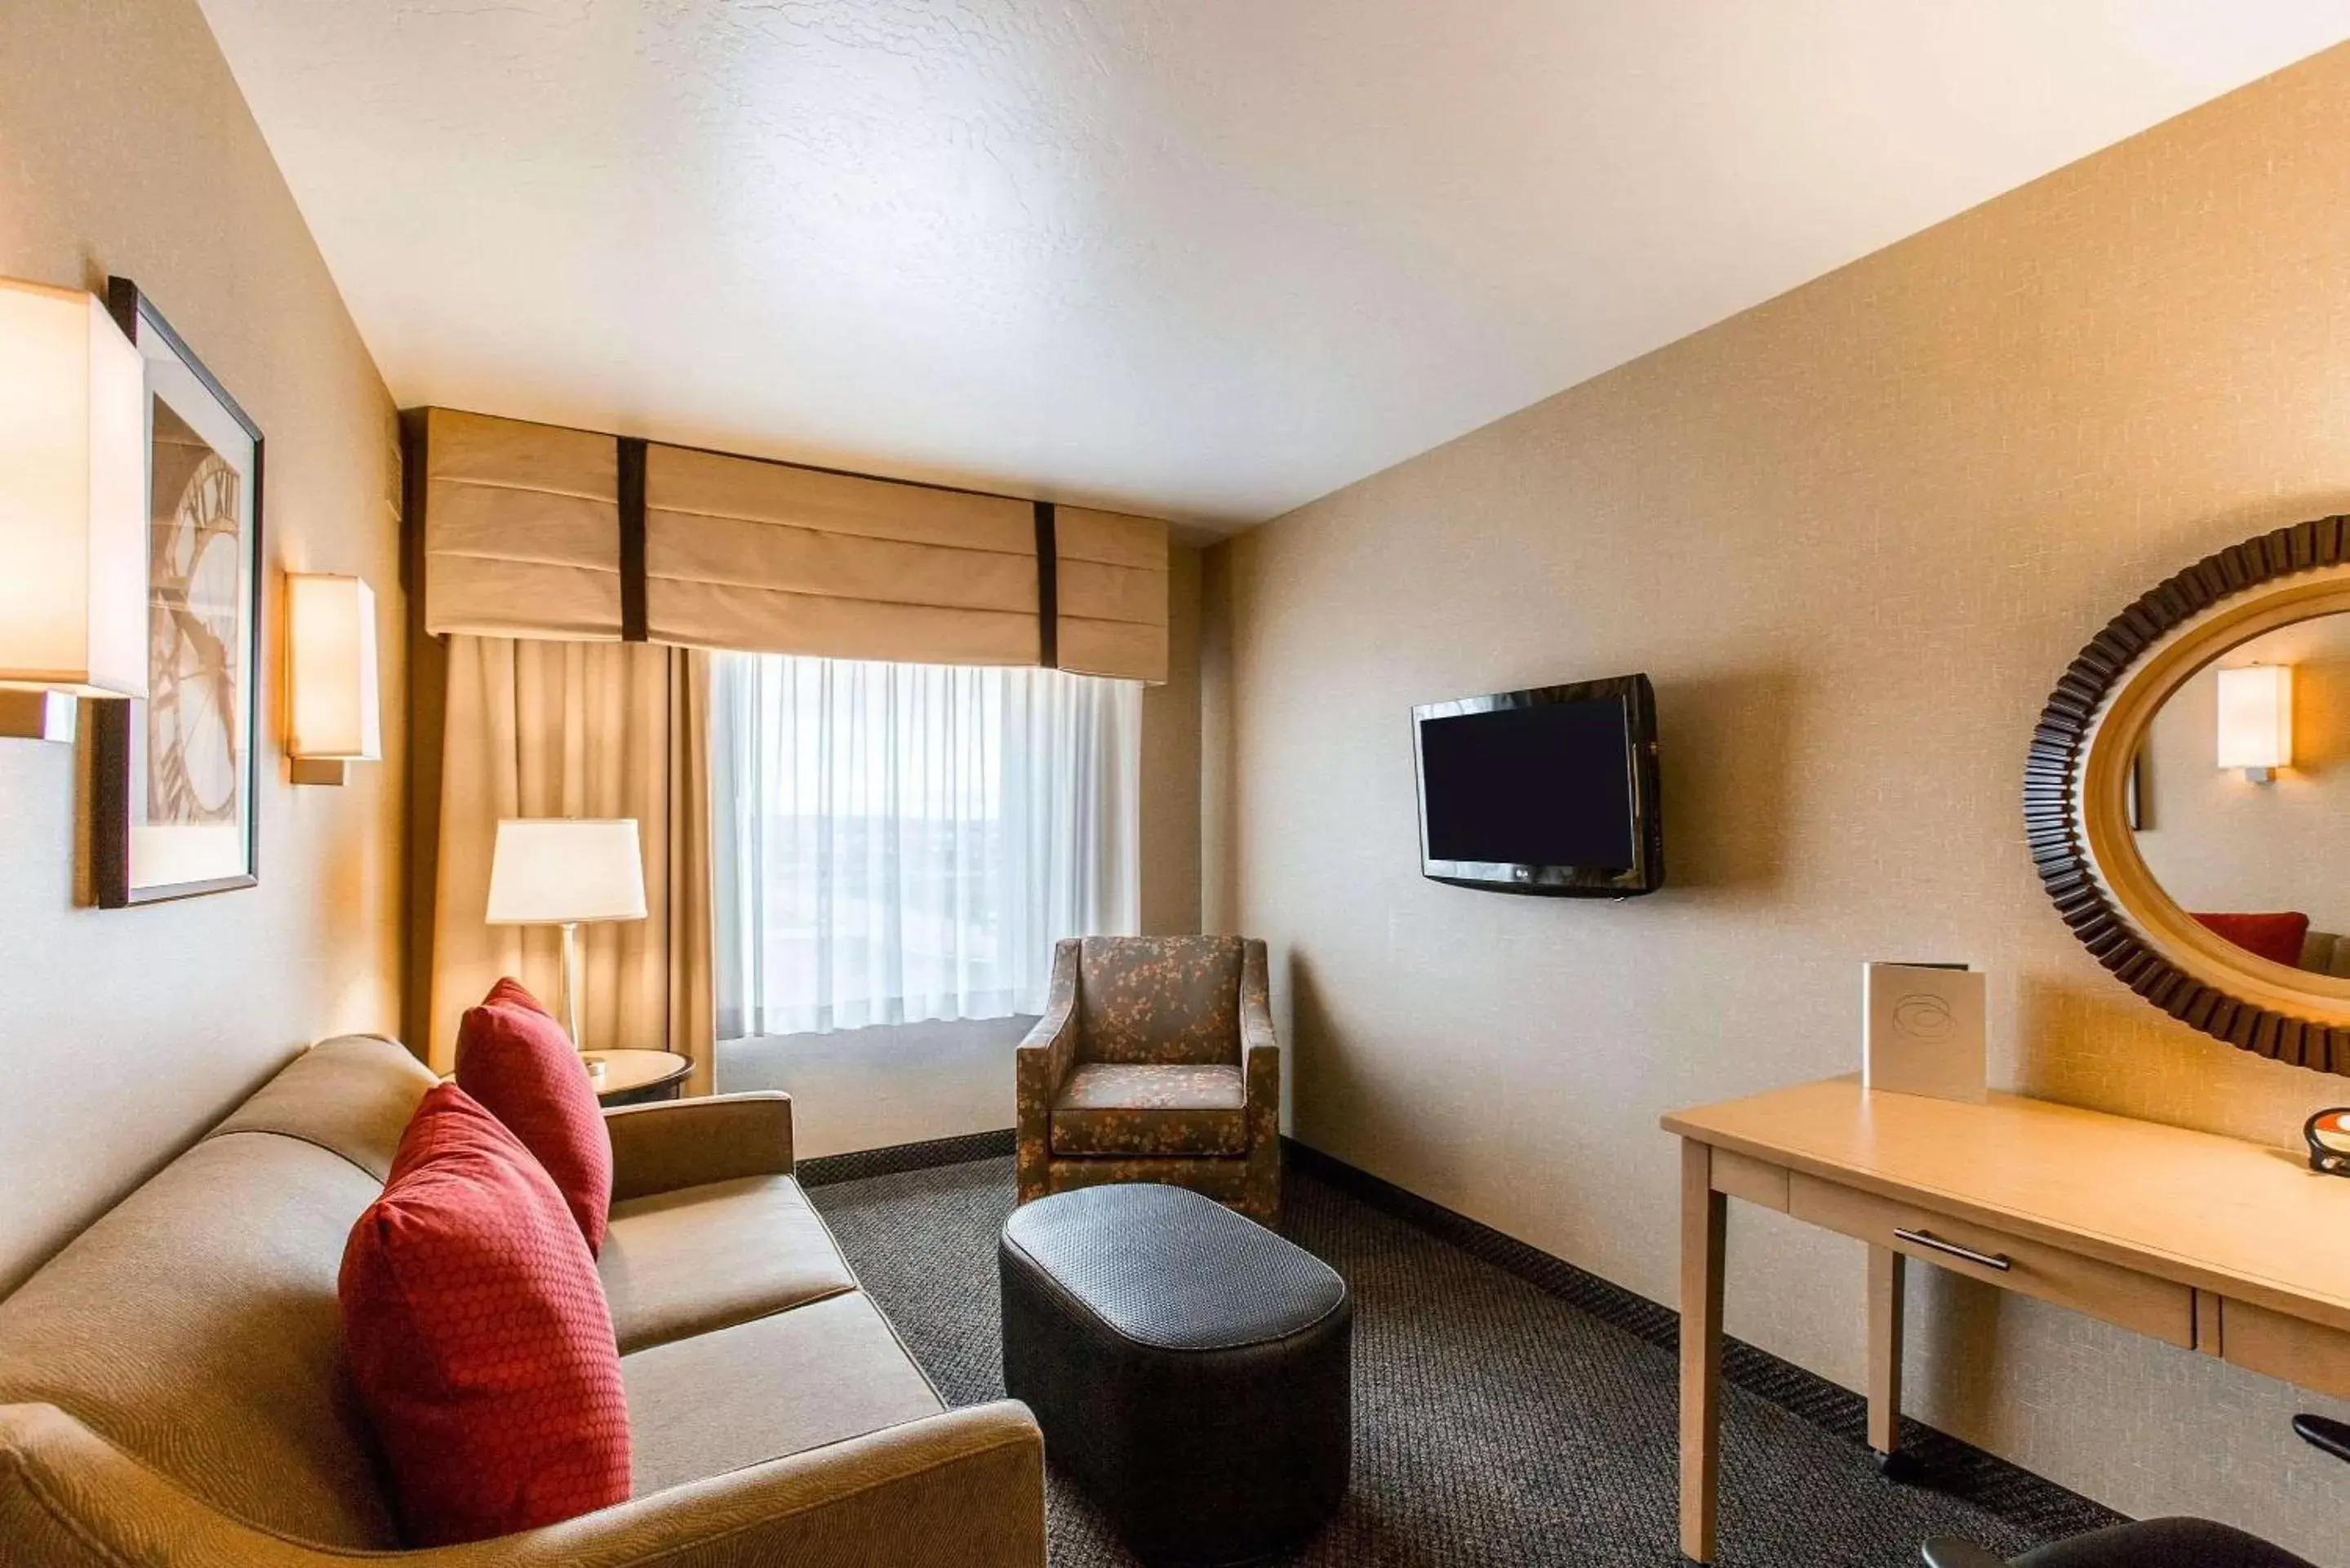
(635, 1077)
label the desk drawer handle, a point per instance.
(1999, 1260)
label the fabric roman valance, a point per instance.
(522, 525)
(761, 555)
(1111, 594)
(537, 532)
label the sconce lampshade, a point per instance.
(2256, 717)
(330, 642)
(554, 870)
(73, 496)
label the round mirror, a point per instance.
(2188, 787)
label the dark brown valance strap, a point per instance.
(1048, 595)
(633, 622)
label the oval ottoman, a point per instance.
(1189, 1368)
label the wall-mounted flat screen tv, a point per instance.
(1552, 790)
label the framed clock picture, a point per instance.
(174, 776)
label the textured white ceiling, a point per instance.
(1210, 258)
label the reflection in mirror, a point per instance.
(2243, 787)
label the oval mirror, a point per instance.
(2187, 781)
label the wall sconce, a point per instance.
(2256, 720)
(73, 509)
(333, 718)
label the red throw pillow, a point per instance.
(479, 1336)
(2276, 938)
(515, 1060)
(511, 992)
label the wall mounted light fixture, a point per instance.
(2256, 720)
(73, 509)
(333, 716)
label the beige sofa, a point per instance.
(173, 1388)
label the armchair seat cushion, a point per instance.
(1146, 1109)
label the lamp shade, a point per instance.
(331, 682)
(2256, 716)
(554, 870)
(73, 496)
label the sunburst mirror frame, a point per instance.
(2076, 794)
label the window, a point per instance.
(901, 842)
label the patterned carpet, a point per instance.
(1496, 1422)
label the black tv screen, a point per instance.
(1551, 790)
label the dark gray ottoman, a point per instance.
(1188, 1365)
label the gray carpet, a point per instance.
(1495, 1423)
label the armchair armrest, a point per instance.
(671, 1144)
(1044, 1057)
(966, 1487)
(1039, 1067)
(1260, 1050)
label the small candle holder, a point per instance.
(2328, 1136)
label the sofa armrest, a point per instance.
(670, 1144)
(966, 1487)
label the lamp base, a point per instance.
(571, 983)
(319, 771)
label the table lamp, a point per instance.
(561, 871)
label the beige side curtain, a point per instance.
(553, 729)
(769, 558)
(521, 529)
(1112, 588)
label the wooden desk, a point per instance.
(2229, 1247)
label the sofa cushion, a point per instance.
(478, 1335)
(1151, 1108)
(194, 1327)
(703, 1257)
(515, 1058)
(352, 1095)
(817, 1374)
(1159, 999)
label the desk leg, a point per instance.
(1703, 1213)
(1885, 1288)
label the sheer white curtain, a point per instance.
(901, 842)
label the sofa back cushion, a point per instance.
(350, 1095)
(194, 1325)
(479, 1336)
(515, 1060)
(1159, 999)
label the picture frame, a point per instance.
(175, 777)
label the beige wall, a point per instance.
(1171, 762)
(126, 148)
(1854, 535)
(2216, 840)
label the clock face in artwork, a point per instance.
(195, 565)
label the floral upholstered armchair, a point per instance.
(1155, 1061)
